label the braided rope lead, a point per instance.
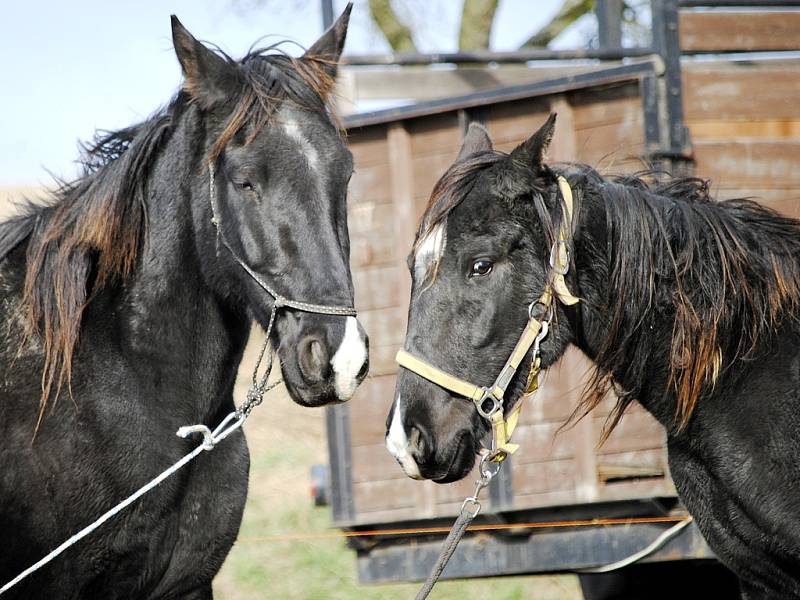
(449, 547)
(210, 440)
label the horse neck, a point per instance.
(639, 358)
(169, 313)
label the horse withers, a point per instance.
(686, 305)
(125, 311)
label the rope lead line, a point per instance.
(210, 440)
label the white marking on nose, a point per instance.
(397, 444)
(292, 129)
(348, 360)
(430, 249)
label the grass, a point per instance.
(285, 440)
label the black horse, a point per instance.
(687, 305)
(124, 316)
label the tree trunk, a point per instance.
(477, 17)
(396, 32)
(570, 11)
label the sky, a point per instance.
(69, 68)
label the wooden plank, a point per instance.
(629, 466)
(369, 408)
(612, 147)
(541, 442)
(385, 326)
(369, 185)
(512, 122)
(739, 30)
(605, 107)
(372, 230)
(437, 134)
(756, 165)
(382, 495)
(563, 147)
(726, 90)
(637, 430)
(379, 287)
(550, 476)
(401, 182)
(427, 171)
(374, 463)
(426, 83)
(762, 130)
(369, 145)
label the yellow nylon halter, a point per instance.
(534, 332)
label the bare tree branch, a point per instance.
(396, 32)
(477, 17)
(570, 11)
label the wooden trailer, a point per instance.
(733, 118)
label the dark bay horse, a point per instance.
(686, 305)
(124, 315)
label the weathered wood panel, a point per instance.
(740, 30)
(750, 164)
(750, 91)
(368, 145)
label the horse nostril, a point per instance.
(313, 359)
(362, 372)
(417, 443)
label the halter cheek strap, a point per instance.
(280, 300)
(489, 400)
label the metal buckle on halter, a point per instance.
(496, 404)
(555, 250)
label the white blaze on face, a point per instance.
(429, 250)
(397, 444)
(348, 360)
(292, 129)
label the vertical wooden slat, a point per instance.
(401, 183)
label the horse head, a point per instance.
(479, 263)
(273, 182)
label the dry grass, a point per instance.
(285, 440)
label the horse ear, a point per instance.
(208, 77)
(476, 140)
(328, 48)
(533, 150)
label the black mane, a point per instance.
(728, 269)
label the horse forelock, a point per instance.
(733, 276)
(453, 188)
(273, 78)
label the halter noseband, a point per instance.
(489, 400)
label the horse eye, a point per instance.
(481, 267)
(245, 186)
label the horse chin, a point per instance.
(461, 462)
(311, 396)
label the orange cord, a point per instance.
(487, 527)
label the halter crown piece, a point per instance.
(489, 400)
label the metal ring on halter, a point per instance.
(556, 248)
(496, 404)
(545, 316)
(486, 472)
